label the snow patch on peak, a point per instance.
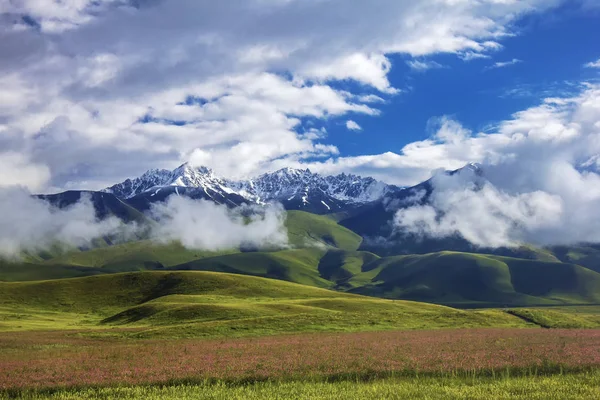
(287, 184)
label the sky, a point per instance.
(96, 91)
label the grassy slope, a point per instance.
(462, 279)
(344, 268)
(299, 266)
(469, 279)
(459, 279)
(305, 229)
(131, 256)
(143, 254)
(585, 255)
(191, 304)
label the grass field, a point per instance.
(191, 334)
(558, 387)
(307, 230)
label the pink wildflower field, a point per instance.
(59, 359)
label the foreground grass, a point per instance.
(576, 386)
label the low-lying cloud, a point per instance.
(539, 180)
(31, 225)
(203, 225)
(28, 224)
(484, 215)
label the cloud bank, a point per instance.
(542, 181)
(28, 224)
(203, 225)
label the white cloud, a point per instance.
(370, 98)
(471, 55)
(353, 126)
(544, 184)
(504, 64)
(203, 225)
(421, 66)
(486, 216)
(18, 170)
(28, 224)
(593, 64)
(80, 75)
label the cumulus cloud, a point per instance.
(200, 224)
(353, 126)
(18, 170)
(120, 87)
(486, 216)
(28, 224)
(542, 181)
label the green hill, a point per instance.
(461, 279)
(299, 266)
(473, 279)
(310, 230)
(132, 256)
(324, 254)
(344, 268)
(181, 304)
(585, 255)
(305, 230)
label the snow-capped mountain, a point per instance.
(294, 188)
(183, 176)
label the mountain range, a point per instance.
(340, 235)
(295, 189)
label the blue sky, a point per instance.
(552, 48)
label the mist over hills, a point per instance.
(391, 220)
(344, 232)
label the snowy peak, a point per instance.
(182, 176)
(188, 176)
(289, 183)
(295, 188)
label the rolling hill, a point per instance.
(450, 278)
(311, 230)
(467, 280)
(191, 304)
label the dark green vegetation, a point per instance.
(325, 254)
(450, 278)
(585, 255)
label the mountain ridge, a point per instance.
(294, 188)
